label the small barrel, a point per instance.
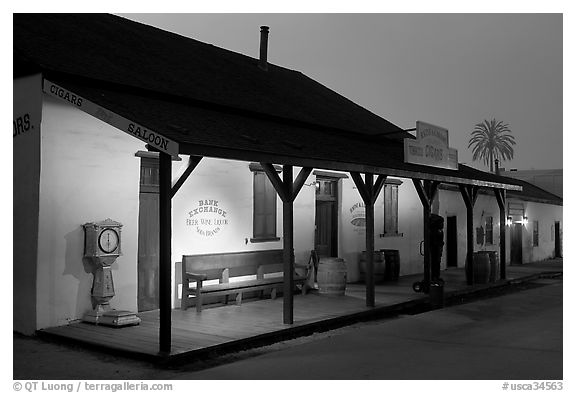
(481, 267)
(392, 269)
(379, 267)
(331, 276)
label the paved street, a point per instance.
(517, 336)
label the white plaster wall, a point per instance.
(352, 238)
(451, 203)
(27, 107)
(231, 184)
(89, 173)
(410, 225)
(546, 215)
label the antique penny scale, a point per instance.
(102, 245)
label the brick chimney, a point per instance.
(263, 63)
(497, 166)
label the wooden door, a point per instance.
(451, 242)
(324, 228)
(557, 240)
(516, 244)
(326, 234)
(148, 236)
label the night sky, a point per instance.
(452, 70)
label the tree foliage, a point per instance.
(492, 140)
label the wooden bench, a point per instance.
(224, 266)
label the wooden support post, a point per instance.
(469, 194)
(288, 231)
(287, 189)
(369, 191)
(426, 190)
(165, 246)
(192, 164)
(501, 198)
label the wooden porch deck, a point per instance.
(233, 327)
(228, 326)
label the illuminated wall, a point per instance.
(352, 231)
(452, 204)
(212, 213)
(89, 173)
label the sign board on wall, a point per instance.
(151, 137)
(430, 148)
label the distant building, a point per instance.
(547, 179)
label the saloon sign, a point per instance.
(151, 137)
(430, 147)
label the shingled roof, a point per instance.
(534, 193)
(215, 102)
(113, 49)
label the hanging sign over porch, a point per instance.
(430, 147)
(151, 137)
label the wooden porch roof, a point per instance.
(218, 103)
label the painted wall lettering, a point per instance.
(21, 125)
(27, 106)
(207, 218)
(358, 212)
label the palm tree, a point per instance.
(492, 140)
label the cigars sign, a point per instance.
(153, 138)
(207, 218)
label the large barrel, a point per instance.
(379, 267)
(392, 269)
(331, 276)
(481, 267)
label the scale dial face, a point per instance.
(108, 240)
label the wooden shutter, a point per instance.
(390, 209)
(264, 207)
(489, 230)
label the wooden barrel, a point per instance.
(331, 276)
(379, 267)
(481, 267)
(392, 269)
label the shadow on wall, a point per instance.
(81, 269)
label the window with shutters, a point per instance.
(489, 230)
(535, 235)
(391, 209)
(264, 209)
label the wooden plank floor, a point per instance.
(192, 331)
(219, 326)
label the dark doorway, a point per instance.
(557, 240)
(451, 242)
(148, 235)
(516, 244)
(326, 234)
